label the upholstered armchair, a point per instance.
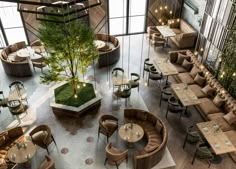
(108, 124)
(174, 106)
(115, 156)
(48, 163)
(39, 63)
(151, 30)
(192, 136)
(42, 136)
(157, 41)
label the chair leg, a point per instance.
(195, 154)
(105, 161)
(209, 164)
(47, 150)
(54, 140)
(117, 165)
(98, 132)
(107, 139)
(185, 140)
(160, 100)
(167, 110)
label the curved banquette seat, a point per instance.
(13, 65)
(111, 53)
(155, 133)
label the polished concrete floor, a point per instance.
(79, 136)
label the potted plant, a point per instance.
(71, 50)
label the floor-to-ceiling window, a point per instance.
(12, 25)
(127, 16)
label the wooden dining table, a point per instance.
(216, 138)
(165, 66)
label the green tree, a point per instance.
(71, 49)
(228, 65)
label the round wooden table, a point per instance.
(25, 52)
(131, 133)
(99, 44)
(23, 154)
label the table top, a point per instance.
(99, 44)
(23, 154)
(185, 94)
(120, 79)
(218, 141)
(166, 31)
(25, 52)
(165, 66)
(129, 134)
(15, 95)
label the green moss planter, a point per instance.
(64, 94)
(64, 103)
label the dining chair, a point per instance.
(192, 136)
(154, 75)
(151, 30)
(174, 106)
(20, 90)
(146, 66)
(16, 107)
(134, 81)
(203, 152)
(165, 93)
(115, 156)
(42, 136)
(39, 63)
(157, 41)
(115, 72)
(108, 124)
(124, 91)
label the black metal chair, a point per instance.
(134, 82)
(174, 106)
(16, 107)
(154, 75)
(115, 72)
(124, 91)
(20, 90)
(146, 66)
(165, 93)
(192, 136)
(203, 152)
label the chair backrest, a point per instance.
(113, 155)
(136, 76)
(17, 84)
(203, 151)
(125, 90)
(116, 70)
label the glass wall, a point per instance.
(12, 23)
(127, 16)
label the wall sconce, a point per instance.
(195, 53)
(171, 12)
(159, 20)
(178, 20)
(234, 74)
(201, 49)
(161, 8)
(166, 7)
(201, 67)
(156, 10)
